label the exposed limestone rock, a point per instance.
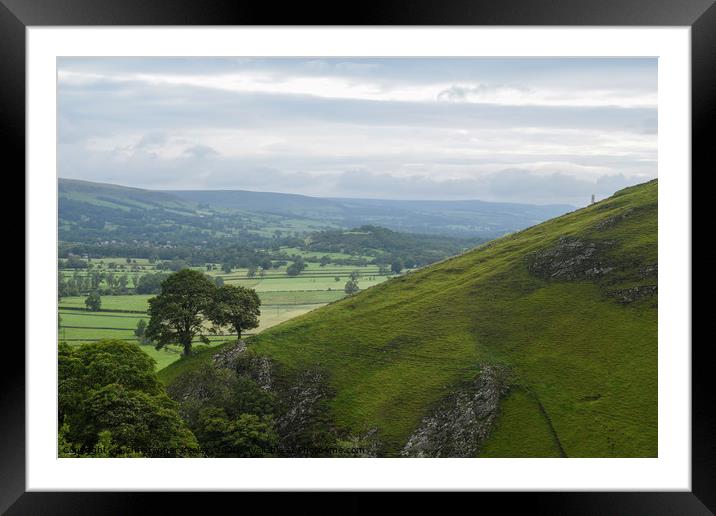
(629, 295)
(257, 368)
(301, 404)
(228, 356)
(571, 259)
(463, 420)
(368, 444)
(649, 271)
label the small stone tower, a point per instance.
(592, 199)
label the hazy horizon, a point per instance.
(519, 130)
(228, 189)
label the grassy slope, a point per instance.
(397, 348)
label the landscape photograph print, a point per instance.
(359, 257)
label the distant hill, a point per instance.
(455, 218)
(541, 343)
(112, 208)
(120, 197)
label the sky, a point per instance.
(531, 130)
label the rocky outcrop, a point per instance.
(649, 271)
(571, 259)
(302, 419)
(303, 409)
(462, 421)
(629, 295)
(229, 355)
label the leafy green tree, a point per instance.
(235, 306)
(396, 266)
(62, 288)
(140, 331)
(177, 314)
(296, 267)
(150, 283)
(219, 281)
(248, 435)
(93, 302)
(351, 287)
(226, 268)
(96, 278)
(105, 447)
(110, 386)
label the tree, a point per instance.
(150, 283)
(177, 314)
(247, 435)
(93, 302)
(396, 266)
(140, 331)
(351, 287)
(252, 271)
(111, 386)
(226, 268)
(235, 306)
(325, 260)
(296, 267)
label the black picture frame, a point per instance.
(700, 15)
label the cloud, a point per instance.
(200, 151)
(537, 130)
(510, 185)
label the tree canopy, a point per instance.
(93, 302)
(108, 391)
(177, 314)
(235, 306)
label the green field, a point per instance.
(283, 297)
(583, 364)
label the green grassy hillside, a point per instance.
(569, 306)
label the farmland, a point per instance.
(283, 297)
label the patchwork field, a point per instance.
(283, 297)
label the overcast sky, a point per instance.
(520, 130)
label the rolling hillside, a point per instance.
(541, 343)
(471, 218)
(97, 211)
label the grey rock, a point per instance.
(571, 259)
(649, 271)
(228, 356)
(629, 295)
(463, 420)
